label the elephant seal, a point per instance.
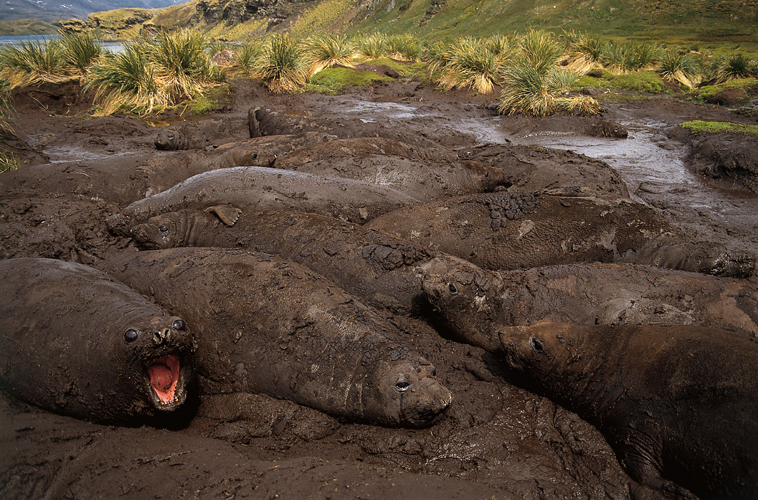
(424, 173)
(201, 134)
(504, 231)
(379, 269)
(78, 343)
(475, 302)
(267, 189)
(268, 325)
(678, 404)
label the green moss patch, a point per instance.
(699, 126)
(333, 80)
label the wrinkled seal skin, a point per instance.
(377, 268)
(65, 346)
(267, 325)
(503, 231)
(260, 188)
(475, 303)
(424, 173)
(201, 134)
(677, 404)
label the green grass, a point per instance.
(647, 82)
(699, 126)
(333, 80)
(743, 87)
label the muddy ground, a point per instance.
(496, 441)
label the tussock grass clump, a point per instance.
(247, 56)
(623, 58)
(81, 50)
(527, 89)
(471, 65)
(6, 106)
(436, 55)
(325, 50)
(539, 49)
(33, 63)
(679, 68)
(372, 46)
(282, 65)
(403, 47)
(734, 67)
(126, 81)
(584, 52)
(182, 63)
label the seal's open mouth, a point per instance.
(164, 377)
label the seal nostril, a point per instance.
(536, 345)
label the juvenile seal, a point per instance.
(201, 134)
(504, 231)
(75, 342)
(424, 173)
(379, 269)
(261, 188)
(679, 404)
(476, 302)
(268, 325)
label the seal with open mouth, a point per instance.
(76, 342)
(268, 325)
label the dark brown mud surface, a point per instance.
(495, 441)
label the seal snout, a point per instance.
(161, 336)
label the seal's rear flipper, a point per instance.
(227, 213)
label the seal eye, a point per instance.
(536, 345)
(254, 156)
(163, 229)
(402, 386)
(452, 288)
(131, 335)
(170, 137)
(179, 324)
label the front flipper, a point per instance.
(226, 213)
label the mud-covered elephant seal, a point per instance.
(261, 188)
(268, 325)
(506, 230)
(76, 342)
(200, 134)
(379, 269)
(475, 302)
(677, 404)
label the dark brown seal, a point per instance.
(476, 302)
(76, 342)
(201, 134)
(379, 269)
(679, 404)
(268, 325)
(518, 230)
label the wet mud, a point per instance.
(496, 439)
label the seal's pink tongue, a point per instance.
(164, 375)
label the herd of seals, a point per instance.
(273, 257)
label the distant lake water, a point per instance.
(18, 40)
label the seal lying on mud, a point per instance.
(260, 188)
(201, 134)
(424, 173)
(377, 268)
(516, 230)
(265, 324)
(476, 302)
(76, 342)
(677, 404)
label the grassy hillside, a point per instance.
(732, 23)
(21, 27)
